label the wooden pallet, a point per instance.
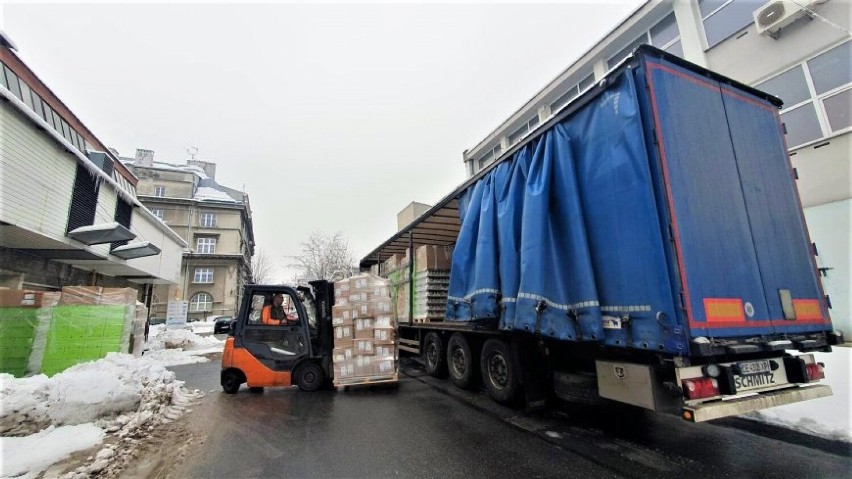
(365, 381)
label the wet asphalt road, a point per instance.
(426, 428)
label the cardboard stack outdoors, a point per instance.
(364, 332)
(431, 282)
(45, 332)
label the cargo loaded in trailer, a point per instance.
(645, 245)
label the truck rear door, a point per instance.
(741, 244)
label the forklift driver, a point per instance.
(274, 314)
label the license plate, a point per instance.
(754, 367)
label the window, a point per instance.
(203, 275)
(160, 191)
(201, 302)
(12, 81)
(280, 309)
(57, 122)
(3, 77)
(664, 34)
(158, 212)
(38, 105)
(26, 95)
(816, 95)
(208, 220)
(523, 130)
(725, 18)
(206, 246)
(491, 155)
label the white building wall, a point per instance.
(36, 176)
(105, 212)
(830, 226)
(165, 265)
(751, 57)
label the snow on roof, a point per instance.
(197, 170)
(208, 193)
(97, 227)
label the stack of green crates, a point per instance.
(17, 331)
(80, 333)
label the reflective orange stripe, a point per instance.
(807, 309)
(724, 309)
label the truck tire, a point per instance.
(460, 361)
(231, 380)
(499, 371)
(309, 377)
(434, 355)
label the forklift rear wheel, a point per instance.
(434, 355)
(460, 361)
(499, 371)
(231, 381)
(310, 377)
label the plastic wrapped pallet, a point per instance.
(137, 337)
(45, 315)
(19, 321)
(87, 324)
(365, 346)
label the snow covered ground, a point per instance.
(44, 420)
(828, 417)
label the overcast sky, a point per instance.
(333, 117)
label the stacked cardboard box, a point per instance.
(364, 331)
(431, 282)
(395, 269)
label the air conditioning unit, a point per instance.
(777, 14)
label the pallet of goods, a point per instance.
(365, 349)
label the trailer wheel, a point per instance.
(434, 355)
(231, 380)
(309, 377)
(460, 361)
(499, 371)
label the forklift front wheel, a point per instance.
(231, 380)
(309, 377)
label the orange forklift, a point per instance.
(294, 346)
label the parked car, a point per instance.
(153, 321)
(222, 325)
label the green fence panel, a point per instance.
(17, 331)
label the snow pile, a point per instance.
(82, 393)
(173, 347)
(829, 417)
(120, 397)
(28, 456)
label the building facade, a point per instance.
(800, 51)
(216, 223)
(69, 214)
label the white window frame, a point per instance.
(195, 303)
(648, 39)
(203, 220)
(159, 191)
(817, 100)
(159, 213)
(203, 275)
(205, 245)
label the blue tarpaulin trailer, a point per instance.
(653, 228)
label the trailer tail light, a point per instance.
(700, 388)
(815, 371)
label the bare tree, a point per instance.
(323, 256)
(261, 268)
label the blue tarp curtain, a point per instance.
(538, 230)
